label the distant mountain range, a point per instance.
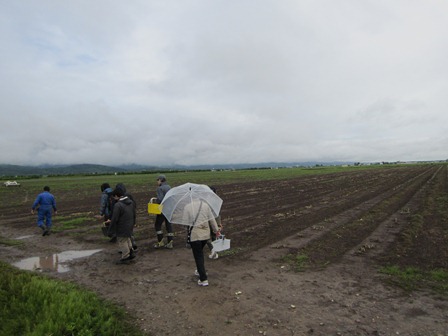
(16, 170)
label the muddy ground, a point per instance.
(348, 224)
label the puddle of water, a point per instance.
(24, 237)
(53, 262)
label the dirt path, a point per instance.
(254, 292)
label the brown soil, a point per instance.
(348, 224)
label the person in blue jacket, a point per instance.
(106, 202)
(106, 206)
(45, 204)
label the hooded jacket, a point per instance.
(123, 218)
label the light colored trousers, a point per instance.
(125, 246)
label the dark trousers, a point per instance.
(198, 253)
(158, 226)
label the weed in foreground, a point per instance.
(230, 252)
(70, 224)
(10, 242)
(32, 304)
(412, 278)
(298, 262)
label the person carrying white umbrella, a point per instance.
(199, 235)
(197, 206)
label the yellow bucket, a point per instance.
(154, 208)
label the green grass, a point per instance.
(439, 275)
(82, 186)
(232, 251)
(298, 262)
(86, 184)
(407, 278)
(10, 242)
(70, 223)
(413, 278)
(35, 305)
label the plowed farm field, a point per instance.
(362, 252)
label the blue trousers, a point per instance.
(44, 215)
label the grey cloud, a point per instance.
(214, 82)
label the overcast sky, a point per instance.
(222, 81)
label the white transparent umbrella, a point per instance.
(191, 204)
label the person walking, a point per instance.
(162, 189)
(122, 224)
(106, 206)
(106, 201)
(45, 204)
(199, 234)
(125, 193)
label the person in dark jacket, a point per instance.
(45, 204)
(162, 189)
(122, 224)
(125, 193)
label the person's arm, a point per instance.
(214, 225)
(218, 221)
(53, 203)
